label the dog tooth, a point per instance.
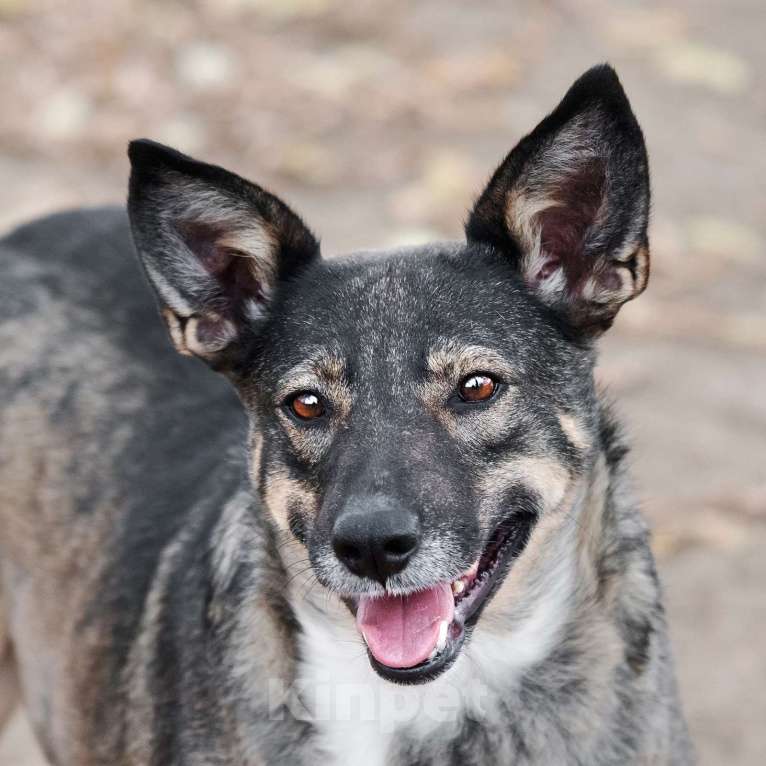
(442, 640)
(458, 587)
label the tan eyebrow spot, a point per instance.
(447, 363)
(325, 372)
(453, 361)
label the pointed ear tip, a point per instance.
(139, 148)
(603, 74)
(600, 81)
(603, 70)
(144, 152)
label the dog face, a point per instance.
(415, 413)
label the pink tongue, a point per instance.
(402, 631)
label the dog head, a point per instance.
(416, 412)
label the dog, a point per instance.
(404, 533)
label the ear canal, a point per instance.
(214, 247)
(569, 205)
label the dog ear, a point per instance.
(213, 245)
(569, 205)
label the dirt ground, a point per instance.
(379, 121)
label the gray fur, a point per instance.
(169, 596)
(72, 393)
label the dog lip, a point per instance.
(505, 545)
(485, 576)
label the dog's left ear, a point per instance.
(569, 205)
(215, 248)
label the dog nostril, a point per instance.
(347, 552)
(402, 545)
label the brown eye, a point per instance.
(477, 388)
(307, 406)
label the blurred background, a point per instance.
(379, 122)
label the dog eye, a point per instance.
(307, 406)
(477, 387)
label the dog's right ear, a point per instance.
(213, 245)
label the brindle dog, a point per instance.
(428, 552)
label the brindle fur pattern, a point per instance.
(165, 561)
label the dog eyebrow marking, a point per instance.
(325, 369)
(452, 360)
(447, 363)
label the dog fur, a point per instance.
(169, 592)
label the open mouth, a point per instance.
(414, 638)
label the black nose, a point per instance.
(375, 540)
